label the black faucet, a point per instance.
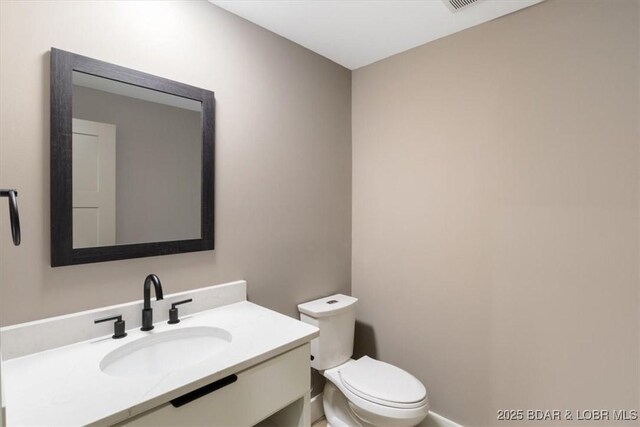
(147, 312)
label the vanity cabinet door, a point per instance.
(259, 392)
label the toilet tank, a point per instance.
(335, 316)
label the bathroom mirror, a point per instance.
(131, 163)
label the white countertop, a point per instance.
(65, 387)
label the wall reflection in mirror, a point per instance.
(136, 164)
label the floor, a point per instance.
(430, 421)
(322, 422)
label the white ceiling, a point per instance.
(355, 33)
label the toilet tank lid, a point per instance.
(328, 306)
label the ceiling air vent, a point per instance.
(456, 5)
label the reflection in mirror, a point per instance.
(136, 164)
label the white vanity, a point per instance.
(227, 363)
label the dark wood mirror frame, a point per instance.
(62, 252)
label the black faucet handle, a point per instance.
(173, 312)
(118, 326)
(184, 301)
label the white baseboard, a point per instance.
(436, 420)
(316, 409)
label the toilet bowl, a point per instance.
(367, 392)
(364, 392)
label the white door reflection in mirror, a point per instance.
(94, 183)
(158, 164)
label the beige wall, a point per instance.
(283, 166)
(495, 212)
(495, 175)
(158, 158)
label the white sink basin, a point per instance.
(163, 352)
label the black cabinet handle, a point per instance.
(173, 312)
(118, 326)
(203, 391)
(14, 217)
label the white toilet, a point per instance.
(363, 392)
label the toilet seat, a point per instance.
(384, 384)
(367, 402)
